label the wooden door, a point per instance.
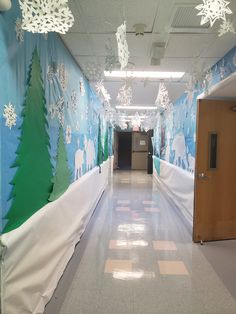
(215, 180)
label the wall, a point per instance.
(175, 133)
(70, 103)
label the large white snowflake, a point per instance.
(212, 10)
(19, 31)
(43, 16)
(226, 27)
(102, 91)
(123, 51)
(162, 100)
(125, 95)
(10, 115)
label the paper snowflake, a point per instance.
(226, 27)
(162, 100)
(102, 92)
(62, 76)
(43, 16)
(123, 51)
(110, 60)
(74, 100)
(94, 71)
(10, 115)
(68, 134)
(81, 87)
(19, 31)
(136, 120)
(125, 95)
(57, 110)
(212, 10)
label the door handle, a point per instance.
(203, 176)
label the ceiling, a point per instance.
(174, 23)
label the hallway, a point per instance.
(137, 256)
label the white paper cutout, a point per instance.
(81, 87)
(62, 76)
(74, 100)
(226, 27)
(162, 100)
(19, 31)
(102, 92)
(68, 134)
(90, 153)
(110, 60)
(51, 72)
(10, 115)
(57, 110)
(136, 120)
(125, 95)
(212, 10)
(123, 51)
(43, 16)
(79, 161)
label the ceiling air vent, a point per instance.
(185, 18)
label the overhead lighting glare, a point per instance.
(137, 107)
(144, 74)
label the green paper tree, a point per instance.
(32, 180)
(100, 151)
(61, 180)
(106, 154)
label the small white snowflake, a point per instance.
(74, 100)
(10, 115)
(19, 31)
(102, 91)
(68, 134)
(226, 27)
(62, 75)
(212, 10)
(81, 87)
(125, 95)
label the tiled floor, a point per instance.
(137, 257)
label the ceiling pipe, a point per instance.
(5, 5)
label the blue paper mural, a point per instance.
(175, 132)
(70, 101)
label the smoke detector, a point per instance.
(5, 5)
(139, 29)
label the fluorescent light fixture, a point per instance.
(144, 74)
(137, 107)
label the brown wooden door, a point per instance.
(215, 180)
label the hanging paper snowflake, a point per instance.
(123, 51)
(162, 100)
(102, 92)
(74, 100)
(43, 16)
(212, 10)
(226, 27)
(68, 134)
(121, 120)
(136, 120)
(51, 71)
(10, 115)
(110, 60)
(19, 31)
(94, 71)
(81, 87)
(125, 95)
(62, 76)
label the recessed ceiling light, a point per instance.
(144, 74)
(137, 107)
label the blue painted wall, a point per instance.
(81, 109)
(175, 132)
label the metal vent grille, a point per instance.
(186, 17)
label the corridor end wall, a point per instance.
(175, 138)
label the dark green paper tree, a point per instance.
(106, 154)
(32, 181)
(61, 180)
(100, 151)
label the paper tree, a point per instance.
(100, 151)
(61, 179)
(32, 181)
(106, 145)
